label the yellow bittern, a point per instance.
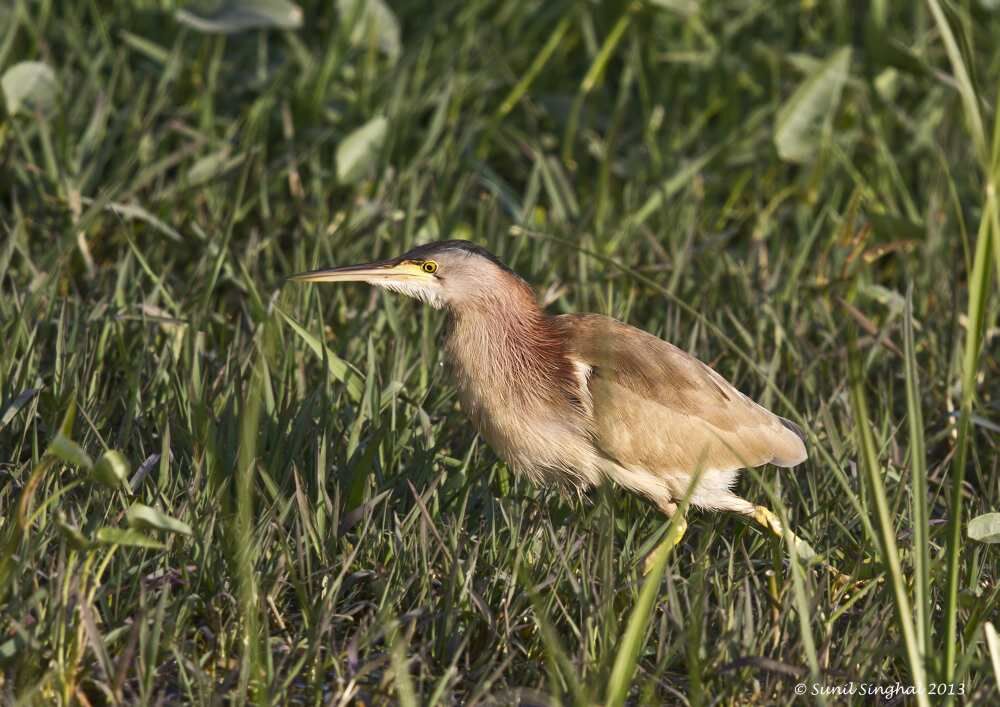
(573, 399)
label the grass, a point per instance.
(805, 196)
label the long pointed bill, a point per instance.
(380, 272)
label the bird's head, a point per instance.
(443, 274)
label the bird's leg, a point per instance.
(678, 526)
(766, 518)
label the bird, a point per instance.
(573, 400)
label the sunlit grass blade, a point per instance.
(978, 288)
(542, 58)
(798, 572)
(338, 369)
(634, 638)
(970, 100)
(887, 530)
(401, 671)
(919, 515)
(993, 645)
(593, 77)
(243, 542)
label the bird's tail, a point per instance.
(796, 447)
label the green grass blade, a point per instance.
(970, 100)
(919, 515)
(560, 667)
(336, 366)
(522, 86)
(634, 638)
(887, 531)
(596, 70)
(401, 671)
(993, 645)
(243, 541)
(978, 288)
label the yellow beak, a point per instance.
(373, 273)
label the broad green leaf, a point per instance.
(30, 86)
(143, 517)
(985, 528)
(132, 538)
(112, 470)
(806, 115)
(336, 366)
(374, 17)
(231, 16)
(69, 451)
(357, 153)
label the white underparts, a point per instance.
(713, 489)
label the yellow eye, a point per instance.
(429, 267)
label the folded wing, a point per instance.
(658, 408)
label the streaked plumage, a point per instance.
(575, 399)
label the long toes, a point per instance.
(767, 519)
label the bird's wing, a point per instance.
(659, 408)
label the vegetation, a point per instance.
(216, 487)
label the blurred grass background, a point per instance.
(214, 488)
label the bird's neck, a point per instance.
(505, 342)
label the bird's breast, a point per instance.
(533, 415)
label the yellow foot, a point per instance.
(764, 517)
(845, 584)
(678, 525)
